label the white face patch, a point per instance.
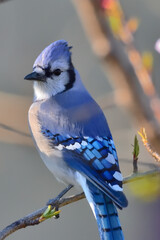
(39, 70)
(54, 84)
(51, 87)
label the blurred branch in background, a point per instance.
(111, 38)
(2, 1)
(11, 129)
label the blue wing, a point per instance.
(96, 158)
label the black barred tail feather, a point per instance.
(105, 214)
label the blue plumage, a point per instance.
(55, 51)
(106, 215)
(100, 161)
(73, 138)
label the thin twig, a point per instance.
(34, 218)
(11, 129)
(147, 145)
(138, 176)
(135, 155)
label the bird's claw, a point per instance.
(49, 213)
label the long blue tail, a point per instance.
(106, 215)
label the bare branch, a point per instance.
(34, 218)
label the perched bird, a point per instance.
(73, 137)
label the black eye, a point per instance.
(57, 72)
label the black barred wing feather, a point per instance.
(96, 158)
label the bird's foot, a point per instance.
(55, 201)
(49, 213)
(53, 205)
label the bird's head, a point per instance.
(53, 72)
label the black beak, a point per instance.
(35, 77)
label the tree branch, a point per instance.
(133, 85)
(35, 217)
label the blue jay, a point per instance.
(73, 138)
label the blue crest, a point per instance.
(55, 51)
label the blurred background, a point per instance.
(26, 28)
